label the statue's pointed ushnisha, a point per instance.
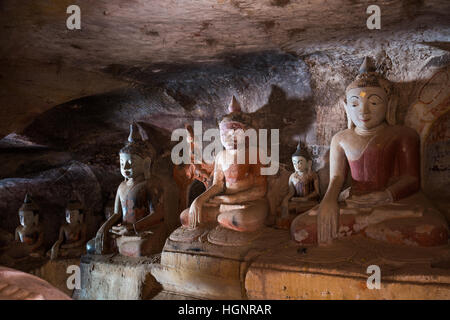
(367, 66)
(234, 105)
(134, 135)
(384, 160)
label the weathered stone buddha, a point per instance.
(236, 200)
(72, 235)
(303, 191)
(137, 226)
(383, 201)
(29, 236)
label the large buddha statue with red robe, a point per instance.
(384, 201)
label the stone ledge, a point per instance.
(339, 271)
(115, 277)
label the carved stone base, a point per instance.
(205, 270)
(115, 277)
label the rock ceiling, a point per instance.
(122, 44)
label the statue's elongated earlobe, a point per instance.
(392, 109)
(147, 167)
(350, 123)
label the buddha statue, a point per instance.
(236, 199)
(72, 235)
(29, 236)
(137, 226)
(384, 201)
(303, 191)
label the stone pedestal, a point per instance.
(115, 277)
(55, 272)
(339, 271)
(204, 270)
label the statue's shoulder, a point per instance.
(343, 135)
(402, 132)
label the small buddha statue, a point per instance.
(29, 236)
(72, 235)
(236, 199)
(137, 226)
(384, 201)
(303, 188)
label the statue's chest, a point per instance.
(29, 237)
(237, 172)
(135, 202)
(303, 185)
(73, 234)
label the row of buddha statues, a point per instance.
(382, 202)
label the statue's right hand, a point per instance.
(327, 221)
(195, 213)
(99, 241)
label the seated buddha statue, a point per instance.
(236, 199)
(137, 226)
(72, 235)
(384, 201)
(29, 236)
(303, 191)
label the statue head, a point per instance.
(233, 125)
(370, 100)
(301, 160)
(135, 156)
(28, 212)
(74, 212)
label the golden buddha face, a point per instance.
(131, 165)
(300, 163)
(27, 218)
(366, 107)
(72, 216)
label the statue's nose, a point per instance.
(127, 165)
(365, 108)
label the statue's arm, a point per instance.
(291, 189)
(338, 170)
(55, 248)
(408, 155)
(102, 233)
(39, 241)
(328, 213)
(16, 234)
(315, 194)
(218, 184)
(156, 214)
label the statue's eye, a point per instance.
(354, 103)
